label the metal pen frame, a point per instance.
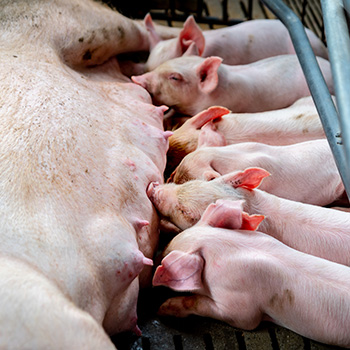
(335, 120)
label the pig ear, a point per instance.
(210, 137)
(207, 115)
(251, 222)
(250, 178)
(192, 50)
(207, 74)
(154, 38)
(191, 35)
(180, 271)
(224, 214)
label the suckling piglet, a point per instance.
(244, 277)
(312, 229)
(190, 84)
(298, 171)
(216, 126)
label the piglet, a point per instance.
(244, 277)
(296, 123)
(298, 171)
(320, 231)
(190, 84)
(243, 43)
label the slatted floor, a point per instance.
(196, 333)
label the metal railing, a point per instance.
(336, 124)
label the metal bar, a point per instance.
(338, 42)
(347, 6)
(339, 53)
(316, 83)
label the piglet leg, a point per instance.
(184, 306)
(242, 315)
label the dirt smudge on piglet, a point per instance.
(280, 301)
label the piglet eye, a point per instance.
(175, 76)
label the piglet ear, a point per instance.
(192, 49)
(209, 136)
(191, 34)
(250, 178)
(180, 271)
(154, 38)
(207, 74)
(251, 222)
(207, 115)
(223, 214)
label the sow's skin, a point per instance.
(242, 43)
(216, 126)
(298, 171)
(79, 143)
(190, 84)
(312, 229)
(243, 277)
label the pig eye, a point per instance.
(175, 76)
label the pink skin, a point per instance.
(244, 277)
(248, 42)
(78, 142)
(303, 172)
(190, 84)
(305, 227)
(296, 123)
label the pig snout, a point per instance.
(151, 190)
(163, 197)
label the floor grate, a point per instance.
(199, 333)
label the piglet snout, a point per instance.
(151, 189)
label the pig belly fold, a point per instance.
(79, 143)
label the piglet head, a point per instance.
(181, 270)
(155, 83)
(184, 204)
(185, 139)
